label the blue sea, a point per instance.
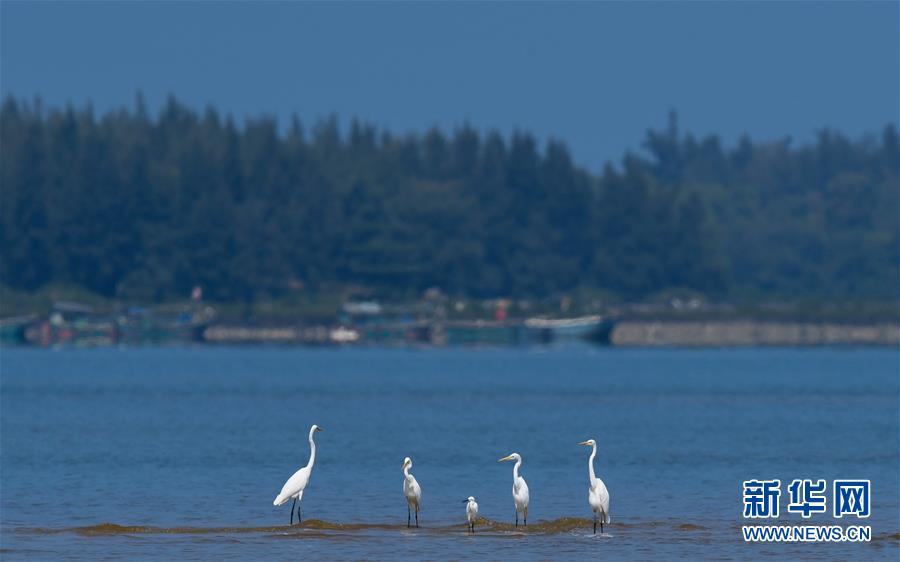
(177, 453)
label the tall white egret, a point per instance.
(598, 495)
(295, 485)
(411, 491)
(520, 488)
(471, 512)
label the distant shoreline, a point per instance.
(76, 326)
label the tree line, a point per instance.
(144, 207)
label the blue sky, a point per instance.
(595, 75)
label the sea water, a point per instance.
(177, 453)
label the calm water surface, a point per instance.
(178, 453)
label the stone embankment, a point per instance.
(751, 333)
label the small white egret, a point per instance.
(598, 495)
(471, 512)
(411, 491)
(520, 488)
(295, 485)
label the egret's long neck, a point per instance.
(406, 471)
(516, 470)
(312, 450)
(591, 466)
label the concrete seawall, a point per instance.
(748, 333)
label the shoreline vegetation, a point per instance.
(187, 226)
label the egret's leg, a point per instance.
(300, 512)
(408, 517)
(417, 517)
(292, 510)
(595, 525)
(601, 526)
(526, 516)
(517, 519)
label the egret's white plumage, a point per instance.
(520, 488)
(471, 512)
(598, 495)
(295, 485)
(411, 491)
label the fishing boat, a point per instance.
(594, 329)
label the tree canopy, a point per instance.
(139, 207)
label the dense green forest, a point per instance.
(144, 207)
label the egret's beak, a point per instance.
(320, 429)
(585, 443)
(403, 465)
(506, 458)
(465, 501)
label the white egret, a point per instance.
(520, 488)
(471, 512)
(295, 485)
(598, 495)
(411, 491)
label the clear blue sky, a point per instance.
(595, 75)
